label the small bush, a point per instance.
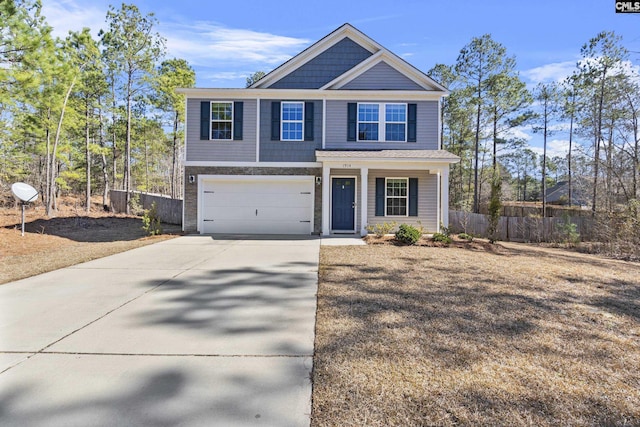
(466, 236)
(569, 231)
(135, 208)
(408, 234)
(444, 230)
(440, 237)
(151, 221)
(381, 229)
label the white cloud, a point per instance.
(67, 15)
(555, 148)
(218, 53)
(518, 133)
(203, 43)
(554, 72)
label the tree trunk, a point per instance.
(88, 157)
(127, 149)
(598, 137)
(544, 163)
(47, 194)
(609, 181)
(56, 141)
(476, 196)
(115, 151)
(573, 97)
(105, 171)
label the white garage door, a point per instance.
(257, 204)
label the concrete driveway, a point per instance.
(193, 331)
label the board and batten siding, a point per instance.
(427, 199)
(288, 151)
(236, 151)
(382, 77)
(426, 129)
(325, 67)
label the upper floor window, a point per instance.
(292, 121)
(222, 120)
(390, 125)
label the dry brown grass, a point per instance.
(413, 336)
(71, 238)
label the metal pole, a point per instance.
(23, 218)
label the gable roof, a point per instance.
(379, 55)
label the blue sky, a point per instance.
(227, 41)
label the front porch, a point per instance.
(361, 188)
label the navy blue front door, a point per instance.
(343, 197)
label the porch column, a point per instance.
(444, 180)
(364, 179)
(326, 187)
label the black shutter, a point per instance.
(308, 121)
(413, 196)
(275, 121)
(380, 190)
(352, 120)
(205, 119)
(412, 115)
(238, 108)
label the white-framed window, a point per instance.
(292, 121)
(396, 199)
(221, 120)
(382, 122)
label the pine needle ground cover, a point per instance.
(71, 238)
(413, 336)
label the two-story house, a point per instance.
(341, 136)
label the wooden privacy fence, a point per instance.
(169, 210)
(522, 229)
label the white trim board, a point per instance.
(229, 164)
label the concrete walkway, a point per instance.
(193, 331)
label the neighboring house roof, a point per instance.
(559, 193)
(367, 57)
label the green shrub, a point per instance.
(440, 237)
(408, 234)
(466, 236)
(151, 221)
(381, 229)
(569, 231)
(444, 230)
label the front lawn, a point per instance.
(413, 336)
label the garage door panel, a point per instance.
(255, 199)
(263, 214)
(257, 206)
(254, 227)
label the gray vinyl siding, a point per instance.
(238, 151)
(325, 67)
(382, 77)
(427, 199)
(426, 128)
(288, 151)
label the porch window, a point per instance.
(222, 120)
(292, 121)
(391, 125)
(396, 196)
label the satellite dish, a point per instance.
(24, 192)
